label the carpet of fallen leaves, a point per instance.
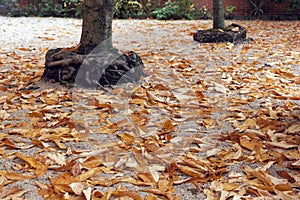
(210, 121)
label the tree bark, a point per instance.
(218, 15)
(97, 25)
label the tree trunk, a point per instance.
(218, 15)
(95, 63)
(97, 25)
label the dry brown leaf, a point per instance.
(61, 183)
(286, 176)
(190, 171)
(282, 145)
(107, 195)
(230, 186)
(41, 168)
(13, 193)
(249, 123)
(155, 191)
(297, 81)
(154, 98)
(15, 176)
(295, 164)
(91, 162)
(138, 182)
(284, 187)
(220, 88)
(151, 197)
(154, 173)
(247, 143)
(259, 192)
(165, 185)
(9, 191)
(130, 194)
(127, 138)
(294, 129)
(57, 158)
(286, 195)
(4, 114)
(41, 185)
(97, 195)
(146, 177)
(86, 175)
(167, 127)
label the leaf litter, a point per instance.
(210, 121)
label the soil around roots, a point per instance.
(233, 33)
(97, 69)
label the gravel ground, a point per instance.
(155, 41)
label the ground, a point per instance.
(210, 121)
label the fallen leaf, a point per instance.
(77, 187)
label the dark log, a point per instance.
(233, 33)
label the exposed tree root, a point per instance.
(92, 70)
(233, 33)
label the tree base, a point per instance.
(233, 33)
(94, 70)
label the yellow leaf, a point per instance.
(167, 127)
(86, 175)
(130, 194)
(249, 123)
(150, 197)
(41, 168)
(127, 138)
(92, 162)
(229, 186)
(59, 144)
(146, 177)
(247, 143)
(61, 183)
(15, 176)
(30, 160)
